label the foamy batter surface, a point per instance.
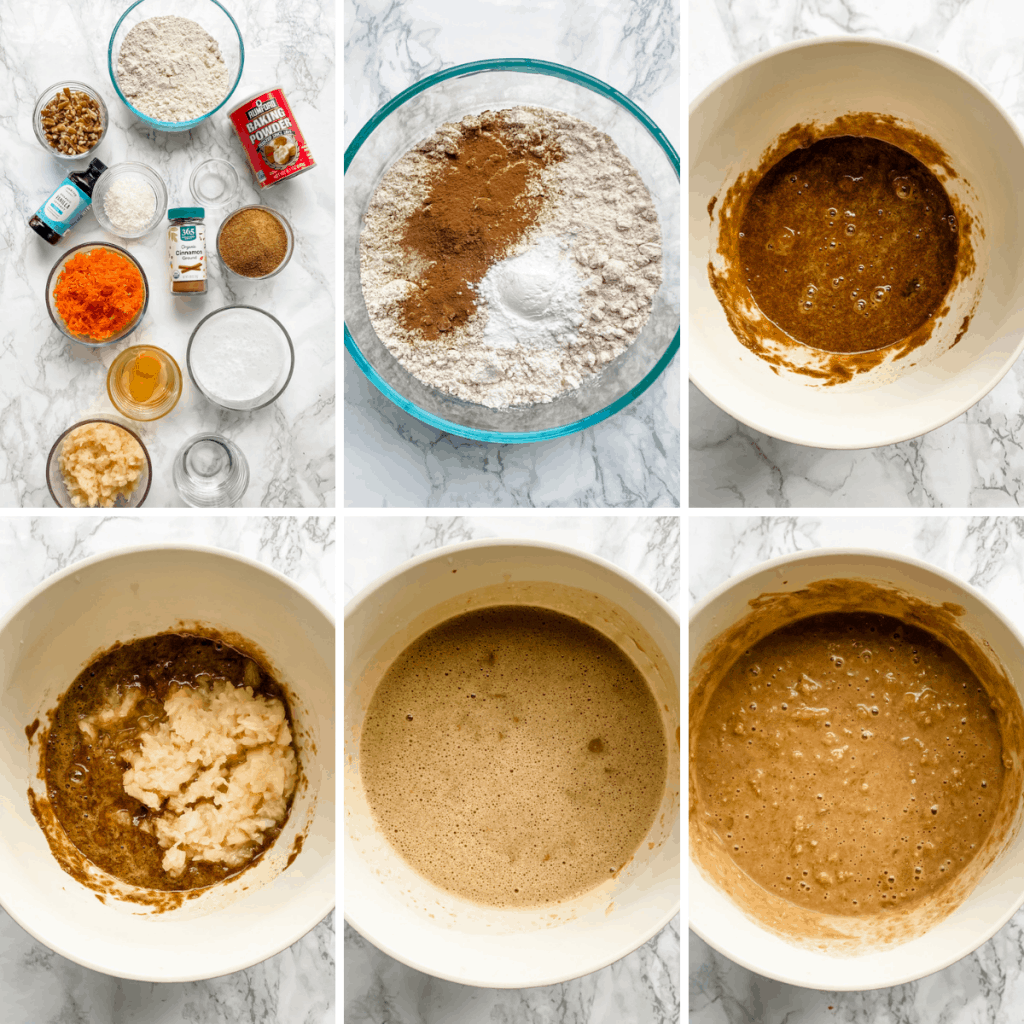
(514, 756)
(849, 245)
(850, 763)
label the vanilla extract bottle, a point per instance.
(72, 197)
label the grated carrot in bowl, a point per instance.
(99, 293)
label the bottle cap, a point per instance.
(96, 166)
(177, 212)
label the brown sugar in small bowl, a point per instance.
(289, 242)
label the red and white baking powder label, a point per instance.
(273, 142)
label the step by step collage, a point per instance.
(462, 586)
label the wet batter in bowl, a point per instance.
(514, 756)
(850, 763)
(849, 245)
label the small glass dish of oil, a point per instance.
(144, 382)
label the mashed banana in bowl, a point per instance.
(171, 763)
(100, 463)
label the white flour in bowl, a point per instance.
(573, 294)
(171, 69)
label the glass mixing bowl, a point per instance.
(494, 84)
(212, 16)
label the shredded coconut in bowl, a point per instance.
(129, 204)
(219, 772)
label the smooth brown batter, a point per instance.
(849, 245)
(514, 756)
(850, 763)
(84, 779)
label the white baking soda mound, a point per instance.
(532, 299)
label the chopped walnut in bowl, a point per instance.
(70, 120)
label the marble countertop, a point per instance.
(47, 382)
(642, 988)
(976, 460)
(37, 986)
(629, 460)
(988, 985)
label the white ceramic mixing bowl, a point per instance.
(47, 640)
(429, 929)
(737, 118)
(1000, 892)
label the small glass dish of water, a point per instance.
(214, 182)
(210, 472)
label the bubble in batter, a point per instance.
(866, 774)
(514, 756)
(828, 212)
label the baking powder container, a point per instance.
(274, 144)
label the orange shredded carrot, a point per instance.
(99, 293)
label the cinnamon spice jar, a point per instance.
(186, 249)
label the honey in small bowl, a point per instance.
(144, 382)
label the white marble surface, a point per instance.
(642, 988)
(37, 986)
(978, 459)
(47, 382)
(630, 460)
(986, 987)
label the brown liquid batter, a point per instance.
(850, 763)
(84, 779)
(849, 245)
(514, 756)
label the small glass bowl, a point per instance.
(289, 234)
(214, 183)
(122, 400)
(58, 320)
(37, 118)
(213, 17)
(127, 170)
(210, 471)
(240, 406)
(55, 479)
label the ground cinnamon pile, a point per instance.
(484, 197)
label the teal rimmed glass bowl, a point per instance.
(212, 16)
(495, 84)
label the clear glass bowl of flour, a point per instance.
(455, 93)
(211, 16)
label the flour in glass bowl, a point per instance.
(573, 284)
(171, 69)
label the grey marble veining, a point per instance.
(37, 986)
(986, 987)
(630, 460)
(643, 987)
(978, 458)
(47, 382)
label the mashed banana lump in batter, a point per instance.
(850, 763)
